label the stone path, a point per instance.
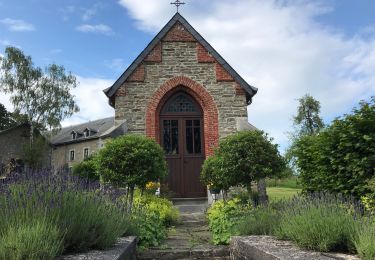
(189, 239)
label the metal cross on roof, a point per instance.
(177, 3)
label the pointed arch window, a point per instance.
(181, 104)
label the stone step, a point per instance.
(190, 201)
(191, 208)
(197, 252)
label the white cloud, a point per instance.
(92, 11)
(17, 25)
(89, 96)
(98, 28)
(116, 64)
(279, 47)
(92, 101)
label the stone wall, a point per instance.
(13, 141)
(180, 58)
(61, 153)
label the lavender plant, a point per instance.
(84, 216)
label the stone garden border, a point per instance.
(124, 249)
(268, 248)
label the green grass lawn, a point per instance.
(281, 193)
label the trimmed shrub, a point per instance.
(130, 161)
(341, 158)
(223, 218)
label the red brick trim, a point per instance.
(222, 74)
(200, 94)
(155, 54)
(138, 74)
(203, 55)
(121, 92)
(239, 90)
(178, 33)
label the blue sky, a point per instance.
(285, 48)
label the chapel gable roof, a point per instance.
(165, 35)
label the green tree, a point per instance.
(245, 157)
(130, 161)
(342, 157)
(6, 120)
(43, 96)
(88, 168)
(35, 155)
(308, 120)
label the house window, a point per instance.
(85, 153)
(87, 133)
(74, 135)
(72, 155)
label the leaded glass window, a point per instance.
(181, 104)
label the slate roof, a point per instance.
(250, 90)
(100, 128)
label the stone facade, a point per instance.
(180, 57)
(61, 153)
(13, 141)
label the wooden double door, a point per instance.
(182, 141)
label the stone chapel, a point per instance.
(182, 93)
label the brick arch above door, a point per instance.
(200, 94)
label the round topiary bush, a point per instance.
(131, 160)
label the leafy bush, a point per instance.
(151, 217)
(88, 168)
(223, 218)
(164, 207)
(263, 220)
(318, 223)
(32, 240)
(148, 226)
(341, 158)
(132, 160)
(213, 175)
(365, 240)
(84, 217)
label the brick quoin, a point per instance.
(178, 33)
(203, 55)
(222, 74)
(155, 54)
(200, 94)
(138, 75)
(239, 90)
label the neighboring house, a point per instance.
(182, 93)
(13, 144)
(75, 143)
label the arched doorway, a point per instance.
(182, 138)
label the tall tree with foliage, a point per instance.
(307, 122)
(43, 96)
(6, 120)
(308, 119)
